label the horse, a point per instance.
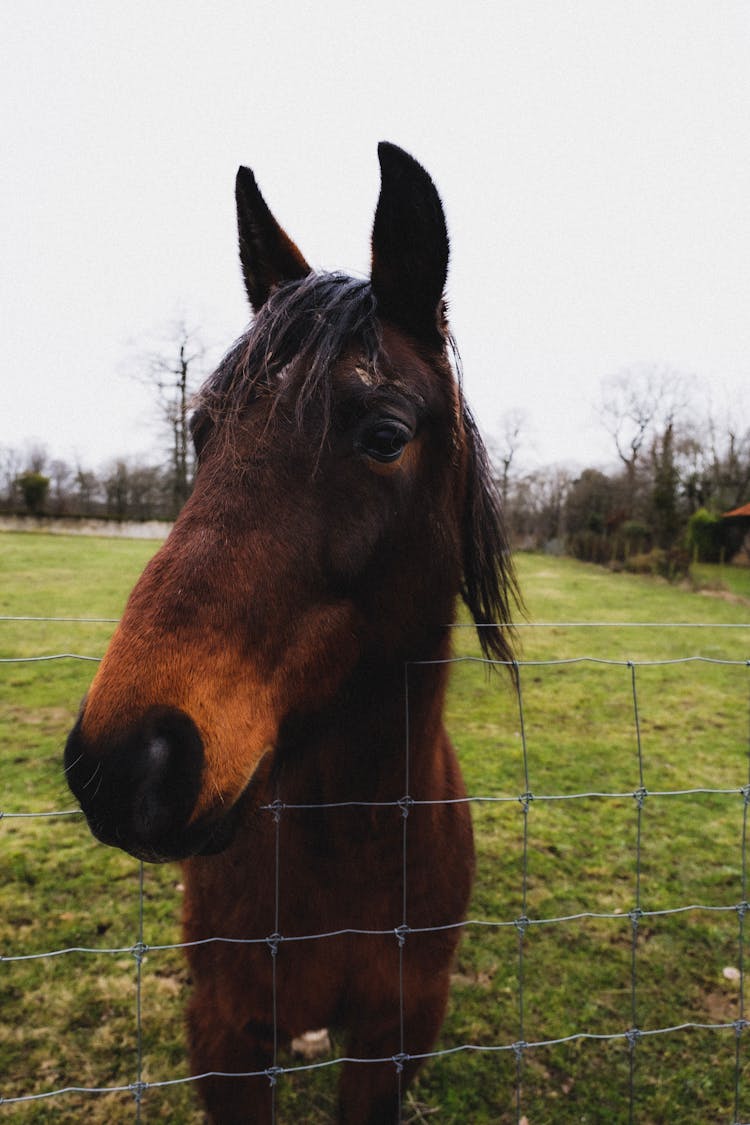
(269, 711)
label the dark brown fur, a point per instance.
(267, 655)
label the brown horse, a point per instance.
(269, 710)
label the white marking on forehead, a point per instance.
(370, 376)
(284, 375)
(374, 379)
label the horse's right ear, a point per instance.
(267, 253)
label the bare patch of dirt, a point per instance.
(721, 1007)
(724, 596)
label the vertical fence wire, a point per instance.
(637, 912)
(742, 909)
(139, 953)
(523, 921)
(274, 944)
(402, 929)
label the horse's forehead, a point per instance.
(396, 366)
(367, 380)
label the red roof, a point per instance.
(743, 511)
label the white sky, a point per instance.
(593, 157)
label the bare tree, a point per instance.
(536, 505)
(145, 489)
(36, 458)
(665, 515)
(11, 463)
(61, 475)
(173, 369)
(504, 448)
(730, 463)
(713, 459)
(635, 404)
(116, 489)
(87, 488)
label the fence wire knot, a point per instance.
(640, 796)
(518, 1049)
(635, 916)
(742, 909)
(401, 932)
(739, 1026)
(745, 791)
(522, 924)
(137, 1090)
(272, 1073)
(632, 1036)
(399, 1060)
(405, 803)
(139, 951)
(275, 808)
(273, 941)
(525, 800)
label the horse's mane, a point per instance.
(304, 328)
(490, 589)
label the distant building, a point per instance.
(740, 525)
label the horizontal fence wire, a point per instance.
(523, 923)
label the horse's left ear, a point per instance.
(409, 246)
(267, 253)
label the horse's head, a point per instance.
(342, 500)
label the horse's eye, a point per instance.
(384, 441)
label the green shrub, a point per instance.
(34, 488)
(636, 535)
(704, 537)
(670, 564)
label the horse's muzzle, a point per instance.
(138, 786)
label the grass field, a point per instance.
(576, 860)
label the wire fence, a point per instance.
(727, 806)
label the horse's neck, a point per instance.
(384, 739)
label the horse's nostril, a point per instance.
(148, 778)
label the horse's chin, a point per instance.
(200, 839)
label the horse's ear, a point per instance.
(409, 246)
(267, 253)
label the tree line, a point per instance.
(675, 472)
(126, 488)
(34, 483)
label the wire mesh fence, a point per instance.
(603, 960)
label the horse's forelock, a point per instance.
(302, 329)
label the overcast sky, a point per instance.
(593, 158)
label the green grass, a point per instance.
(70, 1020)
(720, 577)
